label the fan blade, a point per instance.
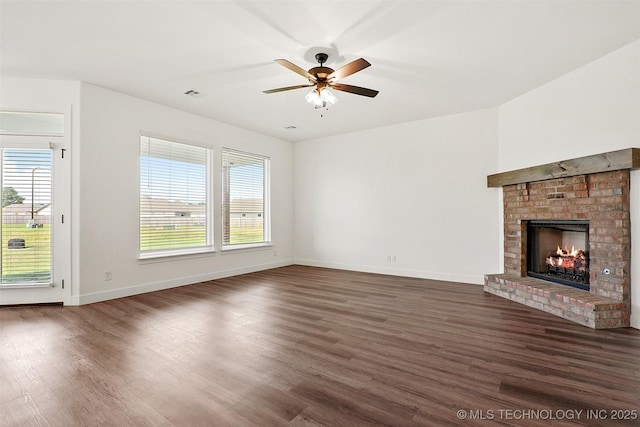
(282, 89)
(293, 67)
(355, 89)
(350, 68)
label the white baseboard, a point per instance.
(476, 280)
(173, 283)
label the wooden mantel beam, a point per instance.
(604, 162)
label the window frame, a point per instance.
(266, 201)
(209, 245)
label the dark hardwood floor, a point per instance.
(304, 346)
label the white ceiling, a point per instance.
(429, 58)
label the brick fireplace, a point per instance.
(591, 190)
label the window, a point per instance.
(26, 216)
(23, 123)
(245, 199)
(174, 202)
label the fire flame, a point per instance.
(573, 253)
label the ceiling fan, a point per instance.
(324, 78)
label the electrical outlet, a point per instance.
(275, 253)
(107, 275)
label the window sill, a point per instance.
(170, 253)
(231, 248)
(26, 285)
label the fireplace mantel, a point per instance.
(604, 162)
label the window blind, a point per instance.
(26, 250)
(173, 196)
(245, 202)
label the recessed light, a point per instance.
(192, 92)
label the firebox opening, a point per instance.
(557, 251)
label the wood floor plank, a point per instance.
(307, 346)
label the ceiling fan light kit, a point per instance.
(321, 98)
(324, 78)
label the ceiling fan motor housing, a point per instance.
(320, 73)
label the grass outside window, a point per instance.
(175, 238)
(31, 264)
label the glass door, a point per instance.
(33, 247)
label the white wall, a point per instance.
(109, 192)
(594, 109)
(417, 191)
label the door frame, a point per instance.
(60, 290)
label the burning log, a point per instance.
(562, 258)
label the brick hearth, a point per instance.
(603, 200)
(573, 304)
